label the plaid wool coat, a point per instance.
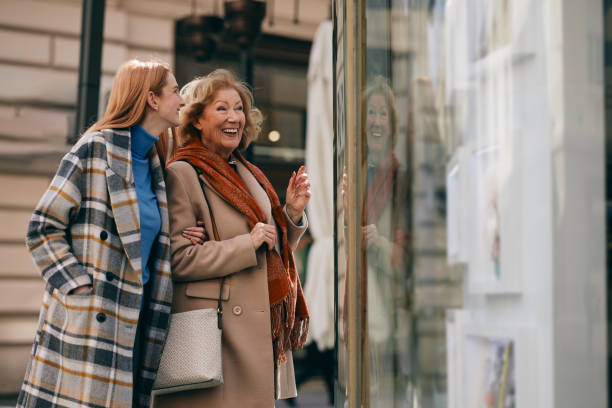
(85, 230)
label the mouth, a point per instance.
(376, 134)
(230, 131)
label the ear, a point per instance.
(197, 125)
(152, 100)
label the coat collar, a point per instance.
(118, 153)
(124, 200)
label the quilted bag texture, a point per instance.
(192, 355)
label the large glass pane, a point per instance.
(470, 196)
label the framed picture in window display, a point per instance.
(457, 207)
(492, 28)
(494, 232)
(499, 32)
(493, 219)
(495, 368)
(490, 380)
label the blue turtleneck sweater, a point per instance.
(150, 220)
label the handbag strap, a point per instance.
(216, 236)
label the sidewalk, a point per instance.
(311, 394)
(7, 401)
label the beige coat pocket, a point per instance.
(208, 289)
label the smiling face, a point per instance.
(170, 102)
(222, 122)
(378, 124)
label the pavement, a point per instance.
(311, 394)
(7, 401)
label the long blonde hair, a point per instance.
(200, 92)
(127, 102)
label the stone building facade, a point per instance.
(39, 56)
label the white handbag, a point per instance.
(192, 356)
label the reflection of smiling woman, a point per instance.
(377, 125)
(381, 121)
(385, 234)
(266, 314)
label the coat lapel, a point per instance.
(122, 193)
(162, 253)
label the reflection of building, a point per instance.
(39, 54)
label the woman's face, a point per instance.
(222, 122)
(169, 102)
(378, 123)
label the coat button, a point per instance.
(109, 276)
(101, 317)
(103, 235)
(237, 310)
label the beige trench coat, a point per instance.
(248, 363)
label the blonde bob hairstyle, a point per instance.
(127, 103)
(380, 86)
(201, 91)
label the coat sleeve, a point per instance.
(48, 236)
(213, 259)
(295, 231)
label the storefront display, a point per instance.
(470, 223)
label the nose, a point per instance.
(233, 115)
(379, 120)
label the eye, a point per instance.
(221, 108)
(239, 108)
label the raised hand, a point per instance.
(298, 194)
(370, 235)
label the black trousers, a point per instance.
(138, 342)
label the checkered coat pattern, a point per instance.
(85, 230)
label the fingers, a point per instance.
(197, 235)
(292, 181)
(269, 233)
(263, 233)
(195, 232)
(298, 179)
(196, 241)
(370, 234)
(301, 182)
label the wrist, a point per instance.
(295, 216)
(297, 220)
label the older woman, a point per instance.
(266, 314)
(100, 239)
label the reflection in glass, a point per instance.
(385, 237)
(486, 117)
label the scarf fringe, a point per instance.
(288, 336)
